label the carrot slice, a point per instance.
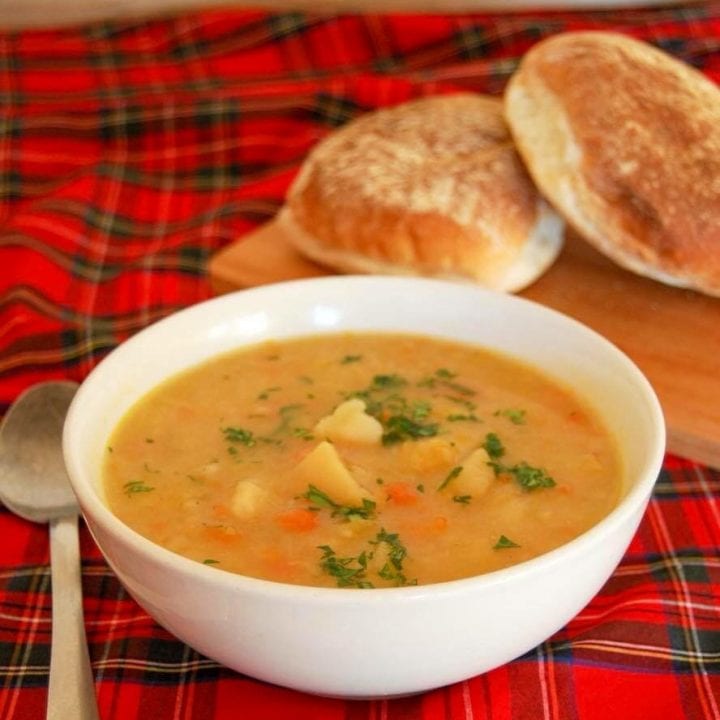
(298, 520)
(401, 493)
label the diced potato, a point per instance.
(476, 476)
(428, 456)
(350, 423)
(247, 499)
(323, 468)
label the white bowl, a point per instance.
(383, 642)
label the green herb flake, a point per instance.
(210, 561)
(287, 414)
(303, 433)
(353, 571)
(460, 417)
(450, 476)
(385, 382)
(527, 476)
(347, 359)
(469, 405)
(493, 446)
(420, 488)
(265, 394)
(420, 409)
(445, 374)
(514, 415)
(462, 499)
(320, 499)
(504, 543)
(239, 435)
(347, 571)
(136, 486)
(149, 440)
(399, 428)
(392, 570)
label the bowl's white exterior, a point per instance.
(379, 642)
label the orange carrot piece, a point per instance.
(439, 524)
(298, 520)
(401, 493)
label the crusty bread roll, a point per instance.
(430, 187)
(624, 140)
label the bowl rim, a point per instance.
(99, 513)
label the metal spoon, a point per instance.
(34, 485)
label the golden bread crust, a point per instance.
(430, 187)
(625, 142)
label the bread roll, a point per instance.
(625, 141)
(431, 187)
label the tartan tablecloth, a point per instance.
(129, 153)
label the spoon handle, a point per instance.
(71, 692)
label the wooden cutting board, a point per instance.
(673, 335)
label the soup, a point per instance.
(360, 461)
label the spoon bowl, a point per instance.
(35, 486)
(33, 483)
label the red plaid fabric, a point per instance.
(129, 153)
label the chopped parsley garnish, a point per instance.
(265, 394)
(459, 417)
(136, 486)
(210, 561)
(347, 359)
(504, 543)
(400, 427)
(420, 409)
(239, 435)
(402, 419)
(444, 378)
(319, 499)
(450, 476)
(347, 571)
(445, 374)
(392, 570)
(353, 571)
(287, 415)
(527, 476)
(385, 382)
(303, 433)
(514, 415)
(493, 446)
(462, 499)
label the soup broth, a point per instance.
(361, 461)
